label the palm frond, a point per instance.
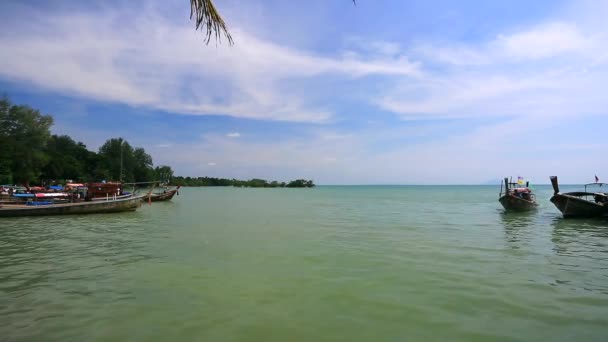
(208, 18)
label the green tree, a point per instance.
(6, 175)
(24, 133)
(300, 183)
(257, 183)
(163, 173)
(95, 170)
(67, 159)
(142, 169)
(116, 157)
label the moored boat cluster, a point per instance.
(76, 198)
(592, 202)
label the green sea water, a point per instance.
(351, 263)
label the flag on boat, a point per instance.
(520, 180)
(596, 179)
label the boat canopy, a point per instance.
(51, 194)
(598, 185)
(24, 195)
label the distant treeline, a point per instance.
(252, 183)
(30, 154)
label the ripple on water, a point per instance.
(350, 263)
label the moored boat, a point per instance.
(166, 195)
(41, 198)
(7, 192)
(85, 207)
(517, 196)
(105, 191)
(580, 203)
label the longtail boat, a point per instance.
(517, 196)
(105, 191)
(581, 203)
(166, 195)
(86, 207)
(41, 198)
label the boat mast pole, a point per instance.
(120, 177)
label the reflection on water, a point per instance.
(516, 226)
(569, 254)
(581, 248)
(571, 235)
(517, 219)
(589, 226)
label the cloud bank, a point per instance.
(156, 63)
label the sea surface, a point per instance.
(333, 263)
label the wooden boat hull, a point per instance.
(572, 206)
(92, 207)
(514, 203)
(167, 196)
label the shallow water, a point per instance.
(331, 263)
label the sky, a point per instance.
(384, 92)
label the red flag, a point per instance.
(596, 179)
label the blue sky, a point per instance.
(385, 92)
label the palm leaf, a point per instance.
(208, 18)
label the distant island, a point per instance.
(30, 154)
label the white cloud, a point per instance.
(465, 95)
(233, 135)
(452, 55)
(149, 61)
(547, 40)
(544, 41)
(378, 48)
(552, 69)
(211, 164)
